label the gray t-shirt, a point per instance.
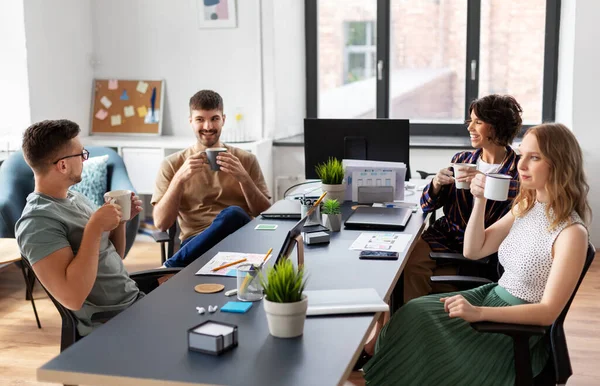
(49, 224)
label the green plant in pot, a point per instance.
(331, 174)
(332, 215)
(284, 302)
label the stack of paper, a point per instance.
(374, 173)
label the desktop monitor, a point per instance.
(368, 139)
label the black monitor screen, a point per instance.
(368, 139)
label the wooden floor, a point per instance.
(24, 347)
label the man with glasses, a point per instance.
(75, 252)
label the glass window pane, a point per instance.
(428, 50)
(512, 52)
(346, 57)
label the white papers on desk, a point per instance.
(375, 177)
(382, 169)
(381, 241)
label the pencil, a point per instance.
(228, 264)
(320, 199)
(267, 255)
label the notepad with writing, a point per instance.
(345, 301)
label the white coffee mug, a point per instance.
(458, 173)
(496, 187)
(121, 198)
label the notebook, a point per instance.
(345, 301)
(367, 217)
(283, 209)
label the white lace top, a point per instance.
(526, 253)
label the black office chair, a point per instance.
(145, 280)
(558, 369)
(168, 241)
(424, 175)
(479, 272)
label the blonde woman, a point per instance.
(541, 243)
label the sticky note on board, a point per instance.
(128, 111)
(113, 84)
(142, 87)
(115, 120)
(101, 114)
(142, 111)
(106, 102)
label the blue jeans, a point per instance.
(228, 221)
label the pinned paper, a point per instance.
(106, 102)
(142, 111)
(115, 120)
(113, 84)
(128, 111)
(142, 87)
(124, 96)
(101, 114)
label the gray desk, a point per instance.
(146, 344)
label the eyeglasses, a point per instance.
(84, 154)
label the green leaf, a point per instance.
(283, 283)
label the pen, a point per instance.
(245, 283)
(228, 264)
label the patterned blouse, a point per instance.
(448, 232)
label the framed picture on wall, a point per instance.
(216, 13)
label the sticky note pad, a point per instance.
(115, 120)
(236, 307)
(266, 227)
(101, 114)
(142, 87)
(142, 111)
(113, 84)
(106, 102)
(128, 111)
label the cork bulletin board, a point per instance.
(127, 106)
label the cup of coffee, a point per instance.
(461, 173)
(496, 187)
(121, 198)
(211, 155)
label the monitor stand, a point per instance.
(299, 249)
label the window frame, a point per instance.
(366, 50)
(550, 78)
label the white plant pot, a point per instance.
(332, 221)
(286, 320)
(337, 192)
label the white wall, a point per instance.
(59, 46)
(578, 77)
(157, 39)
(14, 98)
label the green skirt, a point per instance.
(422, 345)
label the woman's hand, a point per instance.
(443, 177)
(478, 185)
(467, 174)
(458, 307)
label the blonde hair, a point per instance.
(566, 186)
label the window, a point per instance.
(426, 60)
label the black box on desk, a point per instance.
(212, 337)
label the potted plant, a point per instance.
(332, 215)
(284, 303)
(331, 174)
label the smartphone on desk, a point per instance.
(378, 255)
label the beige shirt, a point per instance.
(207, 193)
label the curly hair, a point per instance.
(503, 113)
(206, 100)
(43, 141)
(567, 185)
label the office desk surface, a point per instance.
(147, 344)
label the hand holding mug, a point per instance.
(107, 217)
(193, 164)
(136, 205)
(443, 177)
(478, 185)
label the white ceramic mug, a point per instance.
(211, 156)
(496, 187)
(458, 173)
(121, 198)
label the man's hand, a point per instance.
(459, 307)
(136, 205)
(192, 165)
(107, 217)
(230, 164)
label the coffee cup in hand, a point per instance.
(211, 156)
(461, 173)
(121, 198)
(496, 187)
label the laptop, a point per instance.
(345, 301)
(283, 209)
(367, 217)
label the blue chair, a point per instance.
(16, 183)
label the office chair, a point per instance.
(167, 240)
(145, 280)
(558, 369)
(480, 271)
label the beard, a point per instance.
(210, 141)
(75, 178)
